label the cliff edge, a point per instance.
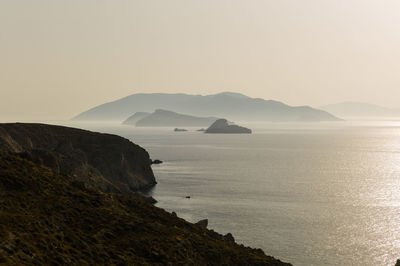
(50, 219)
(107, 162)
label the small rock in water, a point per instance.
(188, 197)
(180, 130)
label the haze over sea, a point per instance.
(310, 194)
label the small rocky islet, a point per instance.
(165, 118)
(180, 129)
(222, 126)
(53, 211)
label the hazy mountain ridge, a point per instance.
(165, 118)
(360, 109)
(233, 106)
(135, 117)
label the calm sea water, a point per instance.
(309, 194)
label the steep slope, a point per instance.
(232, 106)
(49, 219)
(108, 162)
(164, 118)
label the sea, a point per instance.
(305, 193)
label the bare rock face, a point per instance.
(107, 162)
(222, 126)
(202, 223)
(229, 237)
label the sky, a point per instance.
(58, 58)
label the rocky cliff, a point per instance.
(107, 162)
(52, 219)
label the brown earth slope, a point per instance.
(49, 218)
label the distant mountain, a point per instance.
(358, 109)
(135, 117)
(164, 118)
(233, 106)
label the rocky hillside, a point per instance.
(107, 162)
(53, 219)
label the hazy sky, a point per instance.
(58, 58)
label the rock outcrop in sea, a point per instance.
(222, 126)
(180, 129)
